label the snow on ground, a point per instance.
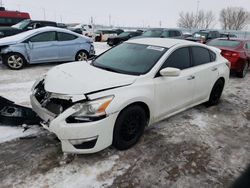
(76, 175)
(8, 133)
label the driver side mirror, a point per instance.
(169, 71)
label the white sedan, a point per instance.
(110, 101)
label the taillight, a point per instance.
(231, 56)
(227, 53)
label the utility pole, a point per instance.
(197, 11)
(110, 20)
(44, 14)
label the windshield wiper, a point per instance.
(108, 69)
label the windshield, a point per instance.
(224, 43)
(124, 34)
(200, 34)
(152, 33)
(22, 24)
(132, 59)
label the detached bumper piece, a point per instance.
(13, 114)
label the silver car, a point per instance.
(47, 44)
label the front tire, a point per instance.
(14, 61)
(81, 56)
(129, 127)
(216, 93)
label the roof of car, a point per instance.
(163, 42)
(162, 29)
(49, 28)
(232, 38)
(44, 21)
(21, 36)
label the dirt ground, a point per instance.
(200, 147)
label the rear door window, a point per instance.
(65, 36)
(179, 59)
(200, 55)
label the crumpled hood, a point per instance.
(11, 39)
(81, 78)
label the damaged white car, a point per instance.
(110, 101)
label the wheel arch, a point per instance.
(82, 50)
(15, 52)
(142, 104)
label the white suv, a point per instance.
(140, 82)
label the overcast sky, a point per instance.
(121, 13)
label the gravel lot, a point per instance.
(200, 147)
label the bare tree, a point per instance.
(234, 18)
(209, 20)
(186, 20)
(201, 20)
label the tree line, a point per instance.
(230, 18)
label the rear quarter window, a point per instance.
(212, 56)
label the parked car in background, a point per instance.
(227, 35)
(186, 35)
(62, 25)
(161, 33)
(112, 41)
(77, 30)
(9, 18)
(237, 51)
(47, 44)
(119, 31)
(133, 85)
(103, 35)
(24, 25)
(203, 36)
(87, 30)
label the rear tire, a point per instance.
(129, 127)
(243, 72)
(216, 93)
(14, 61)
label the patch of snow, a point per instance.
(101, 47)
(19, 85)
(198, 120)
(99, 174)
(8, 133)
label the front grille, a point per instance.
(54, 105)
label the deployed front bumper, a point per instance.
(98, 133)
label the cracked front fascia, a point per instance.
(74, 98)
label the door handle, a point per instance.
(191, 77)
(214, 69)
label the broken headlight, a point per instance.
(90, 111)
